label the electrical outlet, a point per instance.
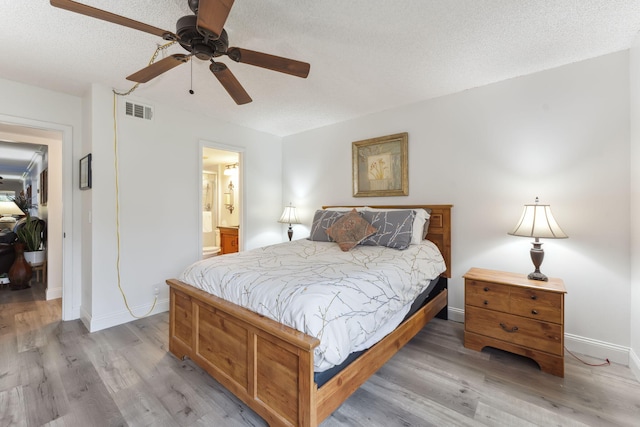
(156, 290)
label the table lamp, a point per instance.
(289, 217)
(8, 207)
(537, 221)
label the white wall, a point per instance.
(562, 135)
(91, 105)
(159, 184)
(635, 206)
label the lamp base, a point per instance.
(537, 255)
(536, 275)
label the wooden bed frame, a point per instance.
(269, 366)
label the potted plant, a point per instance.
(31, 232)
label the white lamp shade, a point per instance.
(9, 208)
(538, 221)
(289, 215)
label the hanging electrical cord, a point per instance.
(115, 153)
(605, 363)
(116, 167)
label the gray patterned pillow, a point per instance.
(322, 220)
(395, 228)
(420, 222)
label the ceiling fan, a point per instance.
(203, 36)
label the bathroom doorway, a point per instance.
(221, 200)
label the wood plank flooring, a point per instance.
(55, 373)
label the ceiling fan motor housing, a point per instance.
(201, 46)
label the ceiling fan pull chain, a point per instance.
(191, 89)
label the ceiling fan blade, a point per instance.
(212, 15)
(230, 83)
(157, 68)
(271, 62)
(93, 12)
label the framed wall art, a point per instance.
(44, 187)
(85, 172)
(380, 166)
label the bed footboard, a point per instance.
(267, 365)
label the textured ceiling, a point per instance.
(365, 55)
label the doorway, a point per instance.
(221, 200)
(58, 139)
(24, 170)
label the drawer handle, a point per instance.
(486, 289)
(510, 330)
(534, 311)
(486, 303)
(533, 297)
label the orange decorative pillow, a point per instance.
(350, 230)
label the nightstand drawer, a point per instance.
(537, 304)
(526, 332)
(487, 295)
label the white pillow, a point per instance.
(418, 232)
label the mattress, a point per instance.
(348, 300)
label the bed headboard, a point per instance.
(439, 227)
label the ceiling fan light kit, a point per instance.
(203, 36)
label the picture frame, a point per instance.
(44, 187)
(381, 166)
(85, 172)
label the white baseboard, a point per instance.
(456, 314)
(634, 363)
(597, 349)
(95, 324)
(85, 318)
(54, 293)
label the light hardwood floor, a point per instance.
(55, 373)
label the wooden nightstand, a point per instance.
(512, 313)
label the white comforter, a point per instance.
(348, 300)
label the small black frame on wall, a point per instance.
(85, 172)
